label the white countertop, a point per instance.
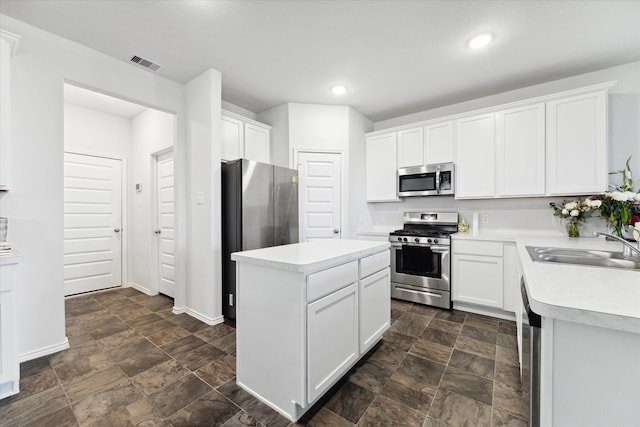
(311, 256)
(597, 296)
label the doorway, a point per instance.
(320, 195)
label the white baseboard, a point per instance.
(206, 319)
(141, 288)
(44, 351)
(485, 311)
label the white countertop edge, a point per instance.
(309, 257)
(13, 257)
(596, 296)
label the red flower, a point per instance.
(634, 219)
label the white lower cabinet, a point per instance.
(477, 276)
(9, 364)
(332, 339)
(375, 304)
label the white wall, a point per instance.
(360, 216)
(204, 249)
(532, 214)
(34, 205)
(152, 130)
(318, 126)
(94, 132)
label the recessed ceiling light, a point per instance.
(339, 90)
(480, 41)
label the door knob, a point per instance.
(336, 230)
(117, 230)
(158, 231)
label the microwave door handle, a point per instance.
(438, 183)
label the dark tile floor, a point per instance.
(133, 362)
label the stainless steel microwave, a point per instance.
(427, 180)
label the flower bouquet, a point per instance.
(621, 208)
(575, 212)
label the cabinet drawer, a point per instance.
(327, 281)
(373, 263)
(477, 247)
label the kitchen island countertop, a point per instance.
(311, 256)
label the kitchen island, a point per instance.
(306, 313)
(590, 336)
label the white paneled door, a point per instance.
(92, 223)
(319, 195)
(165, 232)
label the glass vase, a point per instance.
(573, 229)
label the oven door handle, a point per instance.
(420, 292)
(440, 249)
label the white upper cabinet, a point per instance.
(438, 143)
(381, 168)
(475, 137)
(243, 138)
(520, 142)
(577, 144)
(256, 143)
(410, 147)
(232, 137)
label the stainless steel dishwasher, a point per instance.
(535, 322)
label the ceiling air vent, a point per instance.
(145, 63)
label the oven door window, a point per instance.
(417, 182)
(418, 261)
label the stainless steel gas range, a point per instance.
(420, 258)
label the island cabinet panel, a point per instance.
(300, 326)
(332, 340)
(375, 304)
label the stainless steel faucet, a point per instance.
(628, 249)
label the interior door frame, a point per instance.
(124, 210)
(344, 224)
(154, 264)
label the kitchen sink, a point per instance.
(586, 257)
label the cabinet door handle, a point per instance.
(336, 230)
(158, 231)
(116, 230)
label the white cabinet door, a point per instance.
(375, 307)
(478, 280)
(475, 156)
(232, 137)
(577, 144)
(519, 309)
(381, 168)
(332, 339)
(256, 143)
(438, 143)
(520, 161)
(410, 148)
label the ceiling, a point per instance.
(396, 57)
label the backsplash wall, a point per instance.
(526, 215)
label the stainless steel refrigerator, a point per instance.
(259, 209)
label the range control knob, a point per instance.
(405, 239)
(399, 239)
(435, 240)
(416, 240)
(428, 240)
